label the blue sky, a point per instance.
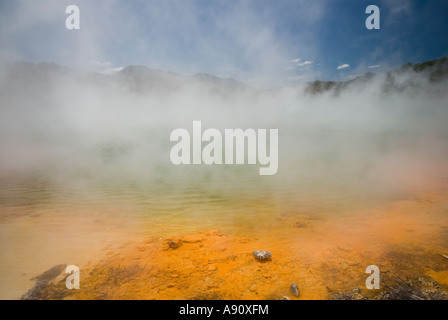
(262, 42)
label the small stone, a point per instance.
(212, 268)
(294, 289)
(175, 243)
(262, 255)
(253, 288)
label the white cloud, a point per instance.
(343, 66)
(374, 67)
(304, 63)
(299, 64)
(112, 70)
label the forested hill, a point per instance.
(408, 75)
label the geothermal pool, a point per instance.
(322, 233)
(362, 180)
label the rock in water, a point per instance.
(38, 291)
(262, 255)
(294, 289)
(52, 273)
(35, 293)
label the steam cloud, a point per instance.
(80, 124)
(115, 121)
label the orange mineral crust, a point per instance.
(323, 257)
